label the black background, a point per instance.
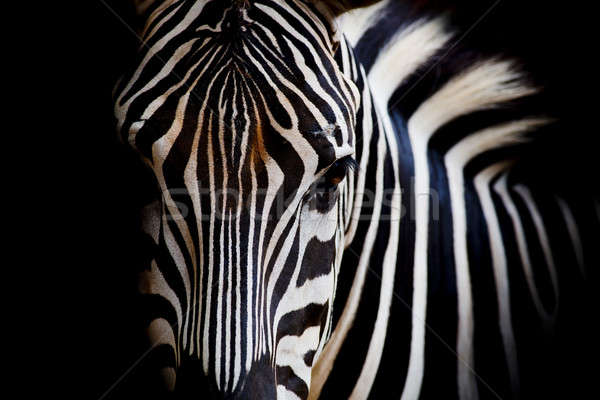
(102, 184)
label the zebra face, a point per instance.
(245, 113)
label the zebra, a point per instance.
(328, 214)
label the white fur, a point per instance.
(354, 23)
(404, 54)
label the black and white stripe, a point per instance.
(275, 277)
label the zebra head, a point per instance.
(246, 113)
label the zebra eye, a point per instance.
(339, 169)
(324, 191)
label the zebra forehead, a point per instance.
(261, 80)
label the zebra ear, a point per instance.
(341, 6)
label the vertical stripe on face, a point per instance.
(239, 112)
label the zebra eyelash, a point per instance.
(340, 169)
(348, 163)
